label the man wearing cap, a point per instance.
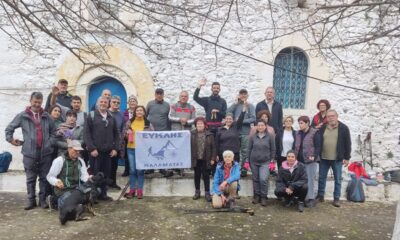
(38, 132)
(158, 111)
(157, 114)
(249, 119)
(214, 105)
(63, 97)
(66, 173)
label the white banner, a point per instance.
(162, 149)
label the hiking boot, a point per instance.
(43, 204)
(256, 199)
(300, 206)
(336, 203)
(288, 202)
(311, 203)
(31, 205)
(139, 193)
(264, 201)
(125, 174)
(207, 196)
(130, 194)
(320, 198)
(196, 195)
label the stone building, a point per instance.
(182, 59)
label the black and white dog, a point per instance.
(75, 202)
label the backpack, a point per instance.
(355, 190)
(5, 160)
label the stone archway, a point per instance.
(120, 63)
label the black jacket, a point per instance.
(343, 147)
(228, 139)
(100, 134)
(209, 154)
(295, 180)
(62, 99)
(209, 103)
(277, 114)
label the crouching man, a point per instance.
(292, 181)
(225, 185)
(66, 173)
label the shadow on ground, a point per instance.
(164, 218)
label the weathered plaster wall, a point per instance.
(185, 60)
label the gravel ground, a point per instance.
(165, 218)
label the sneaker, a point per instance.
(336, 203)
(139, 193)
(196, 195)
(300, 206)
(130, 194)
(208, 197)
(320, 198)
(256, 199)
(264, 201)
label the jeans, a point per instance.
(260, 175)
(311, 169)
(136, 177)
(324, 166)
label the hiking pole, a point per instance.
(228, 210)
(123, 191)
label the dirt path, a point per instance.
(164, 218)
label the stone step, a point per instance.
(156, 185)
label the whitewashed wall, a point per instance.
(185, 60)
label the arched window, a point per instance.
(290, 88)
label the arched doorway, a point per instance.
(291, 88)
(110, 83)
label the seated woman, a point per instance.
(292, 181)
(225, 183)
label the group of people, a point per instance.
(223, 143)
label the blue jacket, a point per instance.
(219, 176)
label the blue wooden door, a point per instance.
(290, 88)
(113, 85)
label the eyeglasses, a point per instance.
(116, 102)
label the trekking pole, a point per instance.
(123, 191)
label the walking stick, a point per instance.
(223, 210)
(123, 191)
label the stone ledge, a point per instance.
(14, 181)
